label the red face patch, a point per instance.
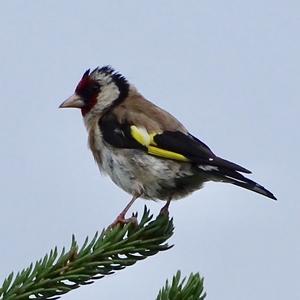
(88, 89)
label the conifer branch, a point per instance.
(192, 289)
(114, 249)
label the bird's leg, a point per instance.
(165, 209)
(121, 217)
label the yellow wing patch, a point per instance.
(141, 135)
(166, 154)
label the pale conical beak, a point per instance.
(73, 101)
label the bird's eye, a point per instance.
(95, 87)
(88, 89)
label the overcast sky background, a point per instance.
(229, 70)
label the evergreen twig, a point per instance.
(192, 289)
(113, 250)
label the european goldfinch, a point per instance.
(145, 150)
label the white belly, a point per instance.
(139, 173)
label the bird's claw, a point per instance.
(122, 220)
(165, 210)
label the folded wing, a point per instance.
(175, 145)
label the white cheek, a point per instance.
(108, 95)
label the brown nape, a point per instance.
(88, 89)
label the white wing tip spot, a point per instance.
(208, 168)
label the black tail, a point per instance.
(233, 177)
(253, 186)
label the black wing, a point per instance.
(118, 135)
(194, 149)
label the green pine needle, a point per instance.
(179, 290)
(114, 249)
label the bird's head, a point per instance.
(98, 91)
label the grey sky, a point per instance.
(229, 70)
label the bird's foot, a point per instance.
(121, 217)
(122, 220)
(165, 209)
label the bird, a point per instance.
(144, 149)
